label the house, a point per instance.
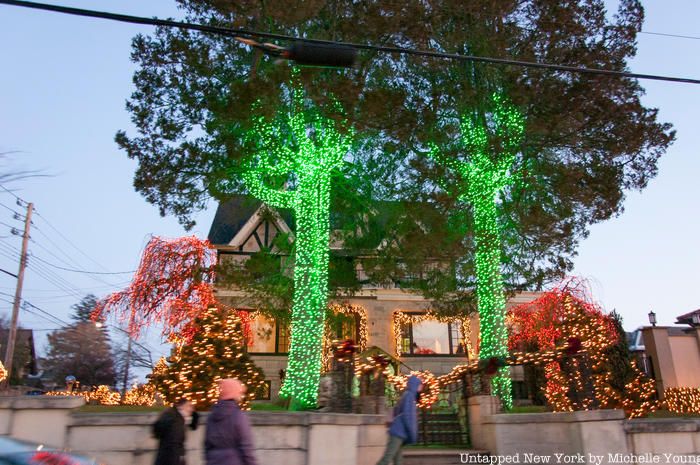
(24, 363)
(673, 352)
(393, 318)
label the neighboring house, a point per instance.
(674, 352)
(390, 318)
(24, 363)
(635, 342)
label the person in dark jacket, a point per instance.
(404, 426)
(229, 438)
(169, 429)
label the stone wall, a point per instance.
(291, 438)
(604, 434)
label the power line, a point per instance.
(68, 240)
(10, 208)
(7, 272)
(679, 36)
(19, 199)
(81, 271)
(55, 318)
(236, 33)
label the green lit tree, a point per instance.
(301, 148)
(216, 351)
(490, 143)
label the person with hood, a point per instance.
(169, 429)
(404, 426)
(229, 438)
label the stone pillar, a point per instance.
(478, 407)
(658, 348)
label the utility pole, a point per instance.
(125, 385)
(12, 337)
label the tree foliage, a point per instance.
(215, 352)
(81, 350)
(588, 138)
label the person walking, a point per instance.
(229, 438)
(169, 429)
(404, 425)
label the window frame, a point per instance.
(450, 326)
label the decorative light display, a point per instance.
(567, 315)
(3, 372)
(484, 172)
(140, 394)
(378, 364)
(214, 353)
(685, 400)
(345, 309)
(401, 318)
(300, 149)
(102, 395)
(173, 284)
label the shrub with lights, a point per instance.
(3, 372)
(214, 352)
(584, 380)
(682, 400)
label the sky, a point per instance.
(63, 85)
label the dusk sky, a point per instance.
(63, 86)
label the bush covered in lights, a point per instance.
(215, 351)
(585, 379)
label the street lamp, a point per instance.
(652, 318)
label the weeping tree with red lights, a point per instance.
(567, 317)
(173, 286)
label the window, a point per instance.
(432, 337)
(268, 336)
(283, 334)
(344, 327)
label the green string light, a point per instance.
(302, 149)
(484, 176)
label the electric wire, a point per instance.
(20, 200)
(679, 36)
(234, 33)
(81, 271)
(12, 209)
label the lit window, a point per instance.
(432, 338)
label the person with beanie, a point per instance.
(229, 438)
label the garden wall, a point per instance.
(292, 438)
(598, 436)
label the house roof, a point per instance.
(687, 318)
(25, 338)
(232, 214)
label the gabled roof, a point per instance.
(687, 318)
(232, 214)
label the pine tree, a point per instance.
(215, 351)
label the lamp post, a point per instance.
(652, 318)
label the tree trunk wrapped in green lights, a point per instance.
(490, 142)
(294, 157)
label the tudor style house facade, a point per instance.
(390, 318)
